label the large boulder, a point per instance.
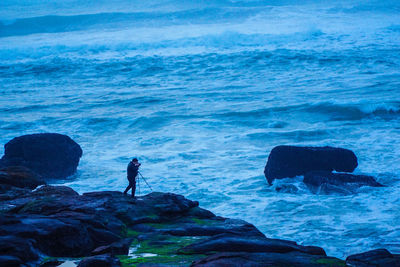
(343, 183)
(291, 161)
(50, 155)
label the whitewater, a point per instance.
(201, 91)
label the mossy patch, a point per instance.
(159, 225)
(166, 244)
(331, 262)
(161, 249)
(132, 233)
(203, 222)
(173, 260)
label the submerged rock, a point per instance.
(344, 183)
(291, 161)
(377, 258)
(286, 188)
(50, 155)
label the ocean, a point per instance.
(201, 91)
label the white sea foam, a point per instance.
(201, 91)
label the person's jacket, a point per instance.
(133, 168)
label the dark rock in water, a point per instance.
(50, 155)
(100, 261)
(377, 257)
(291, 161)
(285, 188)
(243, 259)
(343, 183)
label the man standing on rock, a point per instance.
(133, 169)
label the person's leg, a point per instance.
(128, 187)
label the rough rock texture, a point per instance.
(377, 257)
(20, 176)
(234, 243)
(16, 181)
(242, 259)
(10, 261)
(344, 183)
(291, 161)
(100, 261)
(50, 155)
(120, 247)
(16, 249)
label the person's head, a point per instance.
(135, 160)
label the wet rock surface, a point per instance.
(43, 227)
(16, 181)
(100, 261)
(344, 183)
(50, 155)
(267, 259)
(377, 257)
(291, 161)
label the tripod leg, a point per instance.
(138, 184)
(133, 188)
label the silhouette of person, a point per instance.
(132, 171)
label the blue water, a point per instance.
(200, 91)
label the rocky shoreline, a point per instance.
(43, 225)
